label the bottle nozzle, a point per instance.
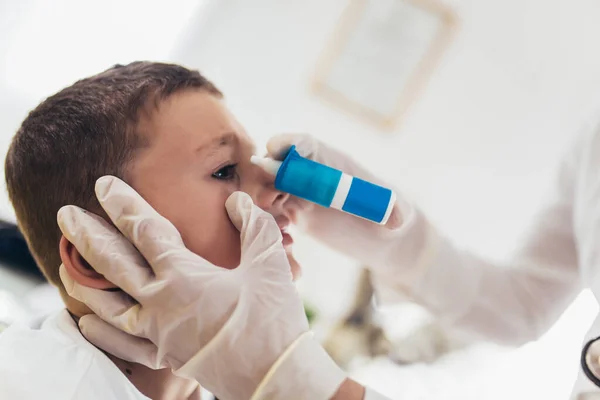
(268, 164)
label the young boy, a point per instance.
(163, 129)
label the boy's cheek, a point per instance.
(221, 249)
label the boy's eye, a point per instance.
(226, 173)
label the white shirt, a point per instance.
(515, 303)
(54, 361)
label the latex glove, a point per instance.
(237, 332)
(389, 249)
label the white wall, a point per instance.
(45, 46)
(475, 151)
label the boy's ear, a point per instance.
(79, 269)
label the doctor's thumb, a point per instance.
(258, 229)
(239, 207)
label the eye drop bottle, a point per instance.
(329, 187)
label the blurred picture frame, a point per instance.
(382, 55)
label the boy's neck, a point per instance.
(155, 384)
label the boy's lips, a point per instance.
(283, 223)
(287, 239)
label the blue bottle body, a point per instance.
(321, 184)
(307, 179)
(367, 200)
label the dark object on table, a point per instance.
(14, 253)
(358, 333)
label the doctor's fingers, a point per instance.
(262, 248)
(105, 249)
(259, 232)
(115, 307)
(306, 145)
(310, 147)
(120, 344)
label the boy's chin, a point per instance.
(294, 265)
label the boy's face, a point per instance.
(199, 155)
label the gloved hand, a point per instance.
(240, 333)
(388, 249)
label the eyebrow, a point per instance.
(228, 139)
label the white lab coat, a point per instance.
(515, 303)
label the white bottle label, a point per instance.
(341, 193)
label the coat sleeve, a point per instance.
(509, 304)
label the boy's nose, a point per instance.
(260, 186)
(269, 198)
(265, 195)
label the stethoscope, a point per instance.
(590, 360)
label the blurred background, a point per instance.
(475, 146)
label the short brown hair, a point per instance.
(78, 135)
